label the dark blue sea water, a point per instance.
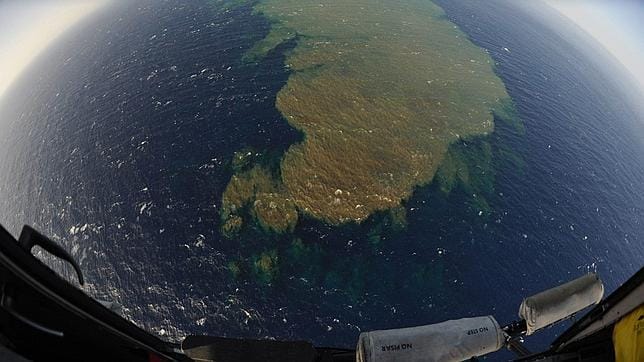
(118, 141)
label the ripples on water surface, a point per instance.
(122, 151)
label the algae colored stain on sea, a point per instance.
(379, 89)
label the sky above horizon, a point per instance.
(27, 27)
(618, 25)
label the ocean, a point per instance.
(117, 142)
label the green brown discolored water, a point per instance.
(380, 89)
